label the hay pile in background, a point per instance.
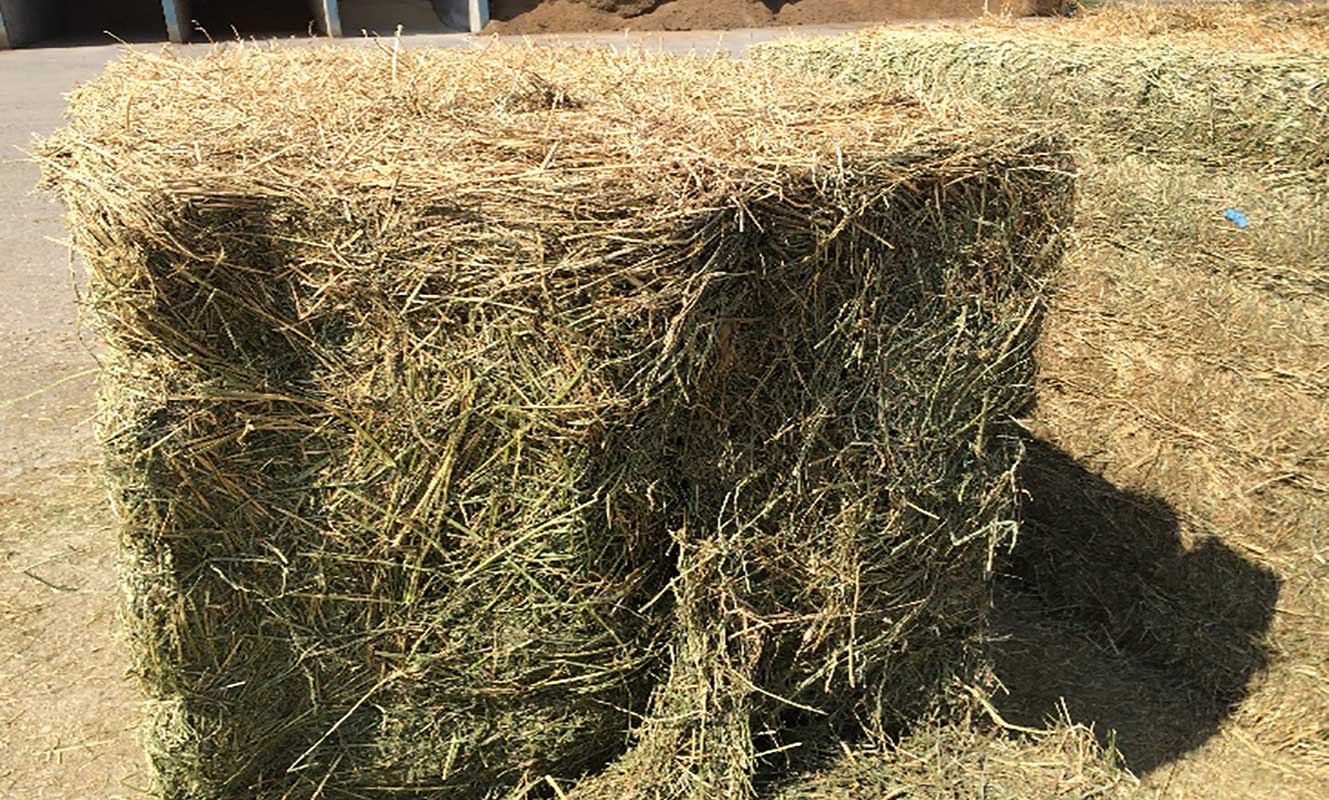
(1161, 99)
(1251, 25)
(1180, 476)
(475, 419)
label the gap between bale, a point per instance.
(503, 416)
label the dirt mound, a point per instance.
(551, 16)
(623, 8)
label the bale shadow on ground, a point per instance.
(1104, 609)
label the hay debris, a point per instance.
(1263, 25)
(474, 419)
(962, 762)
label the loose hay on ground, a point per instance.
(960, 762)
(475, 419)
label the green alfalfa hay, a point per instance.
(1174, 126)
(1169, 101)
(475, 419)
(1177, 213)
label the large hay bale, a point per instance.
(1165, 99)
(1244, 25)
(475, 419)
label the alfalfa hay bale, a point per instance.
(476, 418)
(1173, 101)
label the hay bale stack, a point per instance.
(1181, 367)
(1244, 25)
(477, 418)
(1162, 99)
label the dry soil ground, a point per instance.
(66, 709)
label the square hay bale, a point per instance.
(484, 421)
(1177, 99)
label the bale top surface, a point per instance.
(642, 135)
(1259, 25)
(1171, 100)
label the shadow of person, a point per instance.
(1104, 607)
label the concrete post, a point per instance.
(478, 11)
(178, 26)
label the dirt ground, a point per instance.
(67, 710)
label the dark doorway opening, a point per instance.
(222, 20)
(62, 23)
(381, 17)
(131, 20)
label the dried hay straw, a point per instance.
(1164, 100)
(1266, 25)
(476, 418)
(960, 762)
(1175, 213)
(1182, 365)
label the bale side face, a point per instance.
(499, 413)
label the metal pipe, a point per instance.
(328, 16)
(478, 12)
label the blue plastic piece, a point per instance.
(1235, 215)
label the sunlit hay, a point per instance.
(475, 419)
(1183, 356)
(978, 761)
(1273, 25)
(1166, 100)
